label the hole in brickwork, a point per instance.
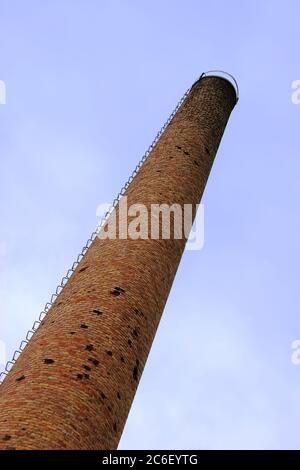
(93, 361)
(83, 326)
(89, 347)
(207, 151)
(86, 367)
(109, 353)
(135, 373)
(82, 269)
(196, 163)
(72, 332)
(122, 359)
(20, 378)
(97, 312)
(184, 151)
(48, 361)
(82, 376)
(117, 291)
(119, 396)
(7, 437)
(103, 396)
(129, 342)
(115, 427)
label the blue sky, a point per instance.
(89, 83)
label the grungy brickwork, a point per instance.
(73, 386)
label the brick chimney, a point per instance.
(73, 385)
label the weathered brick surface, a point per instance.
(73, 386)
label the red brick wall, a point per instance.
(73, 386)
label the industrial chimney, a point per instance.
(73, 385)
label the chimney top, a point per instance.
(223, 75)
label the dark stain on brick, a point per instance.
(122, 359)
(135, 333)
(115, 426)
(129, 342)
(207, 151)
(20, 378)
(89, 347)
(103, 396)
(138, 312)
(196, 163)
(185, 153)
(86, 367)
(7, 437)
(84, 326)
(48, 361)
(119, 396)
(109, 408)
(109, 353)
(178, 147)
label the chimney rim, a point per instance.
(223, 75)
